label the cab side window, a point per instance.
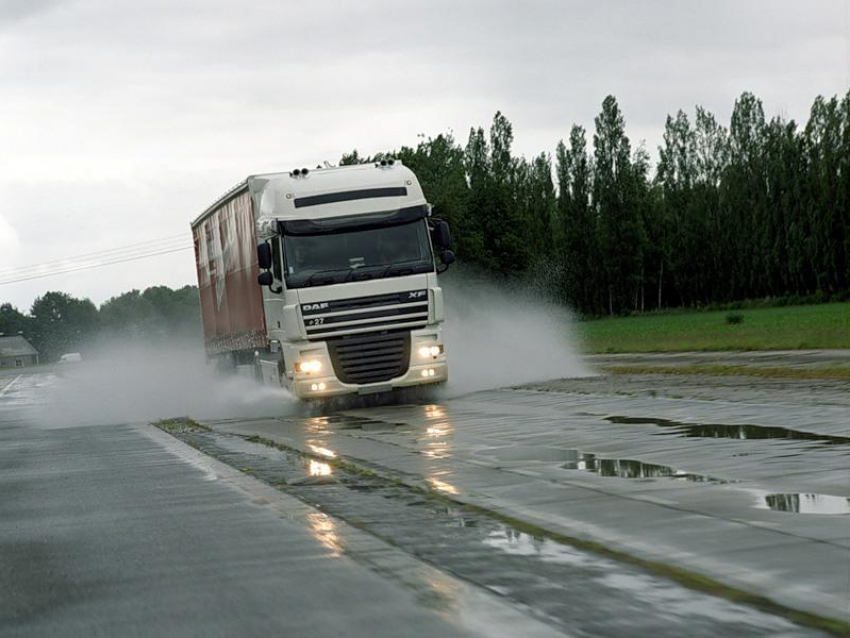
(277, 259)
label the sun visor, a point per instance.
(331, 225)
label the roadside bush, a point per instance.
(734, 318)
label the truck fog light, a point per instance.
(426, 352)
(428, 372)
(318, 387)
(322, 386)
(309, 366)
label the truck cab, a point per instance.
(347, 262)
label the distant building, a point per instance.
(17, 352)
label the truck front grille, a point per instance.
(371, 357)
(361, 315)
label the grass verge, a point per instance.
(784, 328)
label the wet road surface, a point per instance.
(747, 491)
(123, 531)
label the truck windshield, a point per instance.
(356, 255)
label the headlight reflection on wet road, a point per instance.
(322, 451)
(317, 468)
(442, 486)
(324, 529)
(434, 412)
(318, 425)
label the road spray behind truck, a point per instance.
(325, 281)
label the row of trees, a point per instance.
(754, 209)
(58, 322)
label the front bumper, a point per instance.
(421, 371)
(330, 386)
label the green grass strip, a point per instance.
(784, 328)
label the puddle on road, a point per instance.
(723, 431)
(799, 503)
(630, 469)
(803, 503)
(511, 541)
(577, 460)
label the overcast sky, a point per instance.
(121, 120)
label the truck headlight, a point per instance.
(310, 366)
(428, 352)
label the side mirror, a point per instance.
(442, 235)
(264, 256)
(447, 257)
(265, 278)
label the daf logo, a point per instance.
(315, 306)
(417, 294)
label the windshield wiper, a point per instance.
(363, 273)
(329, 274)
(404, 268)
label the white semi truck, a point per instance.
(325, 281)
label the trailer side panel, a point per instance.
(226, 260)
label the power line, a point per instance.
(148, 244)
(74, 262)
(90, 266)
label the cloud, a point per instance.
(123, 120)
(13, 11)
(9, 244)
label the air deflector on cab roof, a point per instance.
(348, 223)
(347, 196)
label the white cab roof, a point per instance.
(334, 192)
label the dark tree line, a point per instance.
(759, 208)
(59, 323)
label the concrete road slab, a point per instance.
(544, 455)
(122, 531)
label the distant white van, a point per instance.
(71, 357)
